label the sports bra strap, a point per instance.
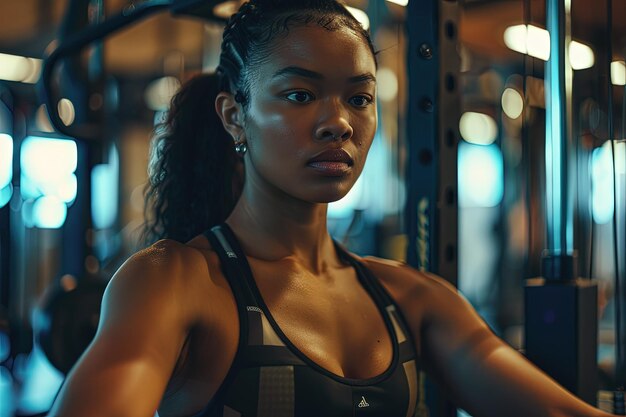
(366, 277)
(233, 262)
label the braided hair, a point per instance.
(195, 177)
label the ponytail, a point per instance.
(193, 177)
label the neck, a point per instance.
(272, 226)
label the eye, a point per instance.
(361, 101)
(300, 97)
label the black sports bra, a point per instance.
(270, 377)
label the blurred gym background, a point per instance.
(71, 200)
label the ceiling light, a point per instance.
(618, 73)
(400, 2)
(19, 68)
(515, 38)
(535, 41)
(529, 40)
(580, 56)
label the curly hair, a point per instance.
(194, 173)
(191, 168)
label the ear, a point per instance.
(230, 112)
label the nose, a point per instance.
(334, 124)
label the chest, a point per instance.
(330, 319)
(341, 358)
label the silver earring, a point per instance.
(241, 148)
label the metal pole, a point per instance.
(433, 120)
(560, 309)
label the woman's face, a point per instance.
(312, 114)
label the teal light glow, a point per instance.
(5, 195)
(49, 213)
(104, 192)
(480, 175)
(6, 159)
(62, 188)
(559, 193)
(554, 133)
(46, 159)
(48, 180)
(602, 179)
(41, 384)
(7, 401)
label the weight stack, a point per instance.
(561, 332)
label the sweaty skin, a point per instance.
(169, 325)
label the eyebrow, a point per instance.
(303, 72)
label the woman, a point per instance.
(263, 314)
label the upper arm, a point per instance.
(143, 325)
(478, 370)
(484, 374)
(437, 315)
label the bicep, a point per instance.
(127, 366)
(481, 372)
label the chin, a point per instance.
(330, 196)
(322, 193)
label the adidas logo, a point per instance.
(363, 403)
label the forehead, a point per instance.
(338, 54)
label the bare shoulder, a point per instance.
(165, 274)
(148, 310)
(166, 263)
(405, 282)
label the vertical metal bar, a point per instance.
(431, 210)
(434, 65)
(423, 71)
(560, 325)
(447, 140)
(620, 377)
(560, 207)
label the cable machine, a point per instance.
(559, 300)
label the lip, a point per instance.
(333, 155)
(332, 163)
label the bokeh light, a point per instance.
(602, 179)
(49, 212)
(480, 175)
(104, 191)
(512, 103)
(535, 41)
(47, 180)
(6, 159)
(478, 128)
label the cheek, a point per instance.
(365, 131)
(274, 132)
(274, 145)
